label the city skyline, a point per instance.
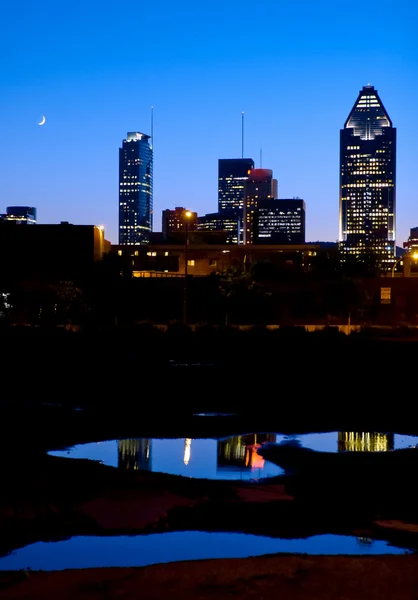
(200, 70)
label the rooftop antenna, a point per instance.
(152, 127)
(242, 134)
(261, 157)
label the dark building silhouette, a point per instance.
(207, 255)
(135, 454)
(232, 176)
(23, 215)
(49, 252)
(280, 222)
(355, 441)
(135, 189)
(228, 222)
(259, 186)
(368, 181)
(174, 221)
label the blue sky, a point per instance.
(94, 69)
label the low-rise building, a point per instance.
(49, 252)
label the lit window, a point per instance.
(120, 252)
(190, 263)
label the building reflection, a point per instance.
(355, 441)
(239, 453)
(135, 454)
(187, 450)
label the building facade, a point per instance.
(259, 186)
(280, 222)
(23, 215)
(174, 221)
(368, 181)
(412, 244)
(135, 189)
(206, 258)
(232, 176)
(229, 222)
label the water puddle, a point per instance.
(234, 458)
(84, 552)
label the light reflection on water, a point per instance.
(230, 458)
(82, 552)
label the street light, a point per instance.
(394, 266)
(405, 257)
(186, 215)
(101, 240)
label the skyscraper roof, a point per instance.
(368, 115)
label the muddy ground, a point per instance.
(45, 497)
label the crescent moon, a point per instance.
(42, 121)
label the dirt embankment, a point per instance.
(287, 577)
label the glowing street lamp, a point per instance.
(101, 239)
(395, 264)
(186, 215)
(405, 257)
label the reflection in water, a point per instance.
(240, 452)
(230, 458)
(141, 550)
(365, 541)
(187, 450)
(135, 454)
(355, 441)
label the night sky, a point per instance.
(94, 69)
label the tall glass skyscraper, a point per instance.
(232, 176)
(135, 189)
(368, 180)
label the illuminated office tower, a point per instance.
(280, 222)
(229, 222)
(135, 189)
(232, 176)
(259, 186)
(368, 181)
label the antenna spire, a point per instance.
(152, 126)
(242, 134)
(261, 157)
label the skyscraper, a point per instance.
(135, 189)
(232, 176)
(280, 222)
(368, 181)
(259, 186)
(229, 222)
